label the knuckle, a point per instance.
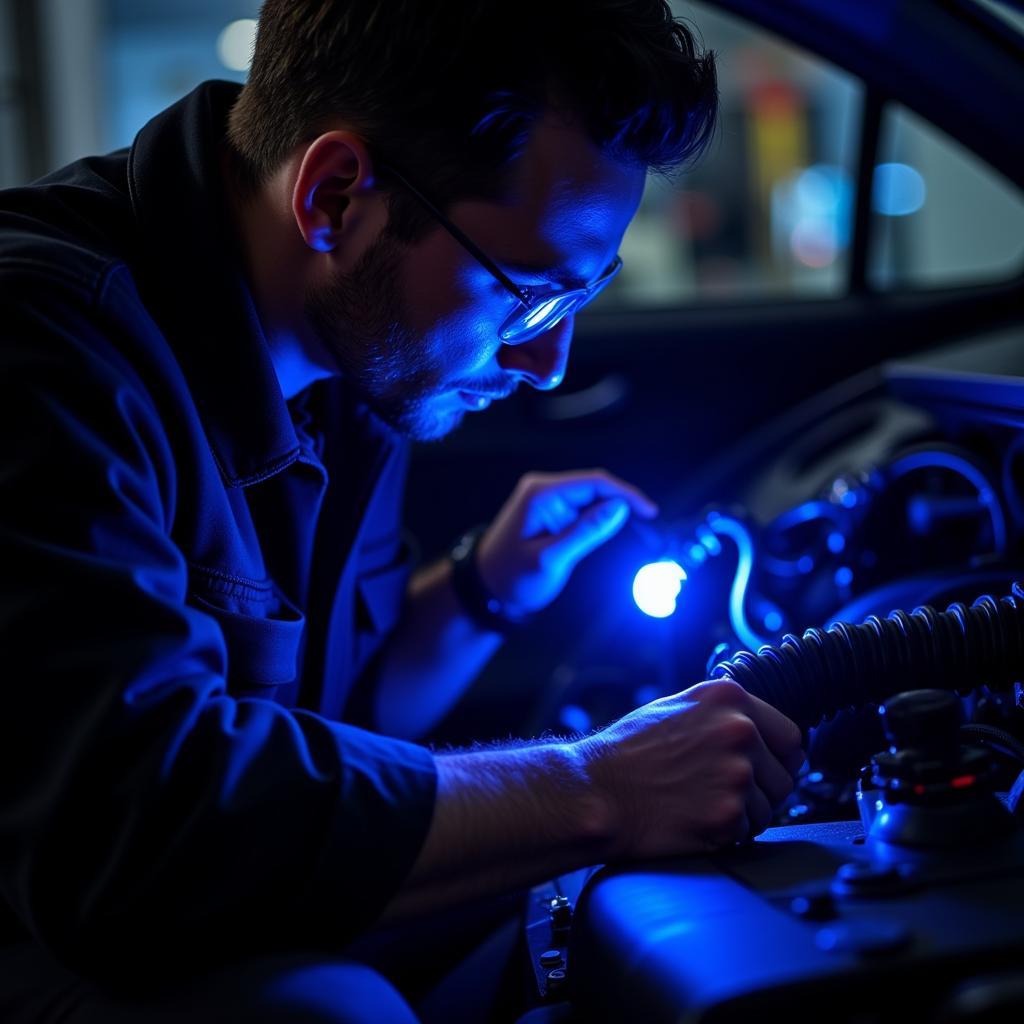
(795, 736)
(738, 774)
(727, 691)
(737, 732)
(726, 814)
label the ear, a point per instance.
(334, 201)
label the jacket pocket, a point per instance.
(262, 629)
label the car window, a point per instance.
(768, 210)
(940, 215)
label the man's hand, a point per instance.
(548, 525)
(692, 772)
(685, 774)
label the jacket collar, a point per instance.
(193, 285)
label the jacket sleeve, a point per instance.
(140, 804)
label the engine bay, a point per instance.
(865, 575)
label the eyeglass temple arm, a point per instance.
(460, 236)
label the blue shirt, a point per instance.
(195, 572)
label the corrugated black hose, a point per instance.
(812, 677)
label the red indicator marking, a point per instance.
(963, 781)
(919, 789)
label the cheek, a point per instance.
(452, 303)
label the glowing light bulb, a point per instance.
(656, 587)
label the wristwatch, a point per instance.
(477, 601)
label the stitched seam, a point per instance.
(258, 588)
(275, 467)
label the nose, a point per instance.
(541, 361)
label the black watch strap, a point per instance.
(477, 601)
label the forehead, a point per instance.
(567, 204)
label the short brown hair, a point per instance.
(448, 91)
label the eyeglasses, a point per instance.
(542, 307)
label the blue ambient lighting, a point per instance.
(844, 576)
(725, 526)
(836, 542)
(575, 718)
(656, 587)
(773, 621)
(709, 540)
(971, 473)
(898, 190)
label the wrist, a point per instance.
(599, 808)
(546, 785)
(475, 597)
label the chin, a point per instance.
(423, 421)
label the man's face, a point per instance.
(415, 327)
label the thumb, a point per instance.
(597, 524)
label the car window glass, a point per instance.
(940, 215)
(768, 210)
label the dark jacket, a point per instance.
(185, 600)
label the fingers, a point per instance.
(773, 779)
(759, 812)
(781, 734)
(741, 819)
(584, 487)
(739, 736)
(592, 529)
(742, 814)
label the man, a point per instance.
(215, 348)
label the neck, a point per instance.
(273, 255)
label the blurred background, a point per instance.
(767, 214)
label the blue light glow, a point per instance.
(720, 653)
(844, 576)
(574, 718)
(898, 190)
(971, 473)
(725, 526)
(773, 622)
(645, 694)
(836, 542)
(806, 512)
(656, 587)
(709, 540)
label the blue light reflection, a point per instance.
(897, 190)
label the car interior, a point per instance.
(813, 360)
